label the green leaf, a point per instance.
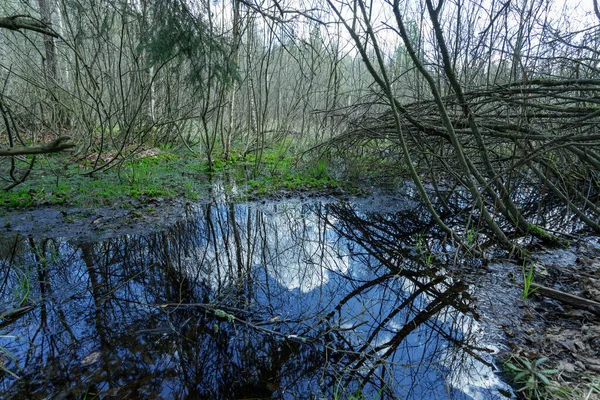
(540, 361)
(560, 393)
(543, 378)
(549, 371)
(512, 366)
(223, 314)
(520, 376)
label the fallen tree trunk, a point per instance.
(55, 146)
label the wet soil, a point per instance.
(541, 326)
(93, 224)
(569, 335)
(147, 215)
(132, 216)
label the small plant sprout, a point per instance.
(528, 290)
(471, 237)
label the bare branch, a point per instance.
(26, 22)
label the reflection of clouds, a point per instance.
(309, 252)
(294, 270)
(307, 266)
(472, 377)
(295, 249)
(466, 373)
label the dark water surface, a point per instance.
(293, 299)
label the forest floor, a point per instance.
(562, 338)
(156, 175)
(125, 216)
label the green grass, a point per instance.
(167, 176)
(528, 276)
(22, 290)
(285, 174)
(6, 354)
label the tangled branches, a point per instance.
(541, 137)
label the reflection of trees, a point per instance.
(239, 302)
(431, 301)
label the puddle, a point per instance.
(277, 300)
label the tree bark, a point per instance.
(50, 47)
(18, 22)
(55, 146)
(568, 298)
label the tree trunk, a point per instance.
(49, 45)
(55, 146)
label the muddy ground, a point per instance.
(541, 326)
(93, 224)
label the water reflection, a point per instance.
(282, 300)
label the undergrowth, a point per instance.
(532, 379)
(57, 180)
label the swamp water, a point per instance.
(291, 299)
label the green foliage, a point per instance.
(531, 377)
(168, 176)
(471, 237)
(341, 393)
(26, 197)
(540, 233)
(22, 289)
(282, 171)
(138, 174)
(6, 354)
(224, 315)
(318, 170)
(184, 35)
(218, 165)
(368, 164)
(422, 249)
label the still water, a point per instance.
(291, 299)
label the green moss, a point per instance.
(56, 182)
(544, 236)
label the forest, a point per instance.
(454, 142)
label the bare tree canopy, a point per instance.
(487, 97)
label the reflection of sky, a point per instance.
(303, 267)
(299, 269)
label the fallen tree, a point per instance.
(61, 144)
